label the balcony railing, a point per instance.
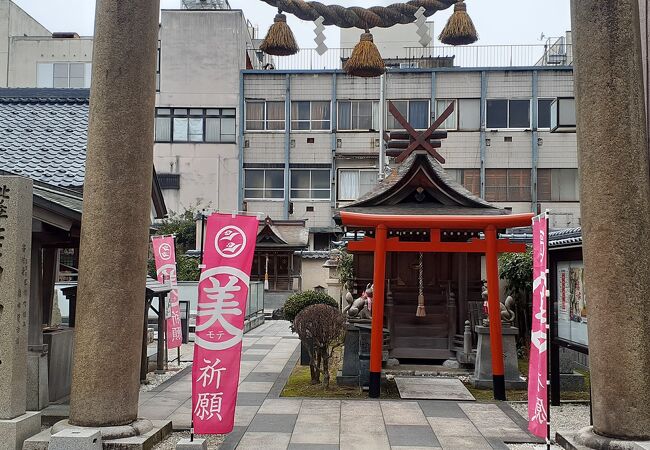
(474, 56)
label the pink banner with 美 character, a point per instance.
(223, 293)
(165, 257)
(539, 346)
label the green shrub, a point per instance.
(298, 302)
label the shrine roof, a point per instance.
(282, 234)
(420, 186)
(43, 134)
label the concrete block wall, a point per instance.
(504, 149)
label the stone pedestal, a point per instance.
(615, 205)
(356, 355)
(586, 439)
(70, 439)
(15, 254)
(349, 373)
(139, 435)
(483, 370)
(196, 444)
(116, 217)
(38, 396)
(13, 432)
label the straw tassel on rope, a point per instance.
(280, 41)
(421, 312)
(366, 61)
(460, 29)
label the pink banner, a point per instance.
(538, 369)
(223, 291)
(165, 257)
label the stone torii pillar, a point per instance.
(116, 216)
(615, 184)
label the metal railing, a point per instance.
(255, 302)
(474, 56)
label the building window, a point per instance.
(261, 116)
(470, 179)
(469, 114)
(415, 111)
(507, 185)
(169, 180)
(508, 114)
(441, 106)
(262, 184)
(311, 184)
(558, 185)
(308, 116)
(195, 125)
(544, 113)
(63, 75)
(354, 183)
(358, 115)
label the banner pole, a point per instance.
(549, 320)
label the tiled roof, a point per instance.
(43, 134)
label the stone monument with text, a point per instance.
(16, 424)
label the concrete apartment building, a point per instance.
(295, 138)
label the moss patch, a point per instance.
(299, 384)
(522, 395)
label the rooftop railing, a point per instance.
(474, 56)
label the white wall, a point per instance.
(28, 52)
(14, 22)
(202, 53)
(391, 42)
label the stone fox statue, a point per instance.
(507, 308)
(359, 308)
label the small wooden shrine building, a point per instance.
(421, 234)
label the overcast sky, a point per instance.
(497, 21)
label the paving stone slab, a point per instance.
(250, 399)
(266, 441)
(313, 447)
(245, 414)
(280, 406)
(432, 388)
(251, 357)
(442, 408)
(277, 423)
(262, 377)
(464, 443)
(413, 435)
(453, 427)
(402, 413)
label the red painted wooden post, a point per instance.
(496, 342)
(377, 333)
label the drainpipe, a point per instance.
(483, 133)
(535, 145)
(333, 176)
(287, 145)
(382, 126)
(242, 107)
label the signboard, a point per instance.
(571, 302)
(165, 257)
(539, 348)
(223, 291)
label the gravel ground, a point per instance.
(154, 380)
(214, 441)
(568, 416)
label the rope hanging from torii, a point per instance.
(365, 60)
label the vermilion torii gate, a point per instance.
(491, 246)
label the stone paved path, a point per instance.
(265, 421)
